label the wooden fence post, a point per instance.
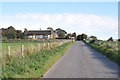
(55, 44)
(51, 45)
(9, 50)
(38, 46)
(22, 50)
(48, 45)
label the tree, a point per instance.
(19, 34)
(52, 31)
(4, 33)
(74, 35)
(79, 37)
(85, 36)
(50, 28)
(11, 34)
(110, 39)
(68, 36)
(93, 37)
(82, 37)
(24, 33)
(61, 33)
(118, 39)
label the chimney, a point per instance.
(40, 29)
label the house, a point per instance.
(41, 34)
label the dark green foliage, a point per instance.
(61, 33)
(82, 37)
(11, 33)
(93, 37)
(118, 39)
(19, 34)
(110, 39)
(79, 37)
(92, 41)
(74, 35)
(68, 36)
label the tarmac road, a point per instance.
(81, 61)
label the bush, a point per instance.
(31, 38)
(53, 38)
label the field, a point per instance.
(29, 47)
(32, 65)
(110, 49)
(15, 48)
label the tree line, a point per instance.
(12, 33)
(93, 38)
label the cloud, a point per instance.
(71, 22)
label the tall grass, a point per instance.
(113, 44)
(109, 49)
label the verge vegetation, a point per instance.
(34, 65)
(110, 49)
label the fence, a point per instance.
(28, 40)
(16, 49)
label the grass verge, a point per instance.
(34, 65)
(109, 52)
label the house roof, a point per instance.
(39, 32)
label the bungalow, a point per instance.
(41, 34)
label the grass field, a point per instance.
(34, 65)
(15, 48)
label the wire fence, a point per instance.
(20, 49)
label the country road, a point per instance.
(81, 61)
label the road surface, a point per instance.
(81, 61)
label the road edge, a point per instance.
(58, 61)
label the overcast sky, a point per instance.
(92, 18)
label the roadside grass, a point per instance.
(34, 65)
(107, 51)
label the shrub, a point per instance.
(92, 41)
(31, 38)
